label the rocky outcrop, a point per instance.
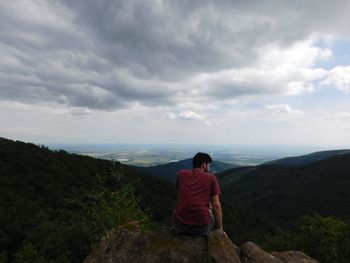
(293, 256)
(129, 244)
(252, 253)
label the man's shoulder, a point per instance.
(184, 171)
(209, 176)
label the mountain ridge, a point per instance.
(308, 158)
(321, 186)
(169, 171)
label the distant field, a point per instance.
(149, 155)
(144, 158)
(149, 158)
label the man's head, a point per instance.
(202, 160)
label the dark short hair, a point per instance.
(201, 158)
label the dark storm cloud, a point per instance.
(177, 38)
(108, 54)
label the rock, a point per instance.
(252, 253)
(294, 257)
(222, 249)
(122, 245)
(129, 244)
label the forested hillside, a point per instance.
(55, 205)
(309, 205)
(286, 193)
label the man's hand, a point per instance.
(223, 234)
(220, 234)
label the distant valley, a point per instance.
(152, 155)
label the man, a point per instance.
(198, 192)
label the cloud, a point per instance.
(185, 115)
(190, 115)
(79, 111)
(278, 71)
(283, 109)
(343, 115)
(172, 116)
(339, 77)
(108, 55)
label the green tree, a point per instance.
(55, 206)
(321, 237)
(324, 238)
(3, 256)
(28, 253)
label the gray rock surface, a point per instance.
(294, 257)
(129, 244)
(252, 253)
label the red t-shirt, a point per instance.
(195, 191)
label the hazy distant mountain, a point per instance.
(169, 171)
(308, 158)
(284, 193)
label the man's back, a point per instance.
(195, 190)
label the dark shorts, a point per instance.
(193, 230)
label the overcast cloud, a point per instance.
(108, 54)
(89, 55)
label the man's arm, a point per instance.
(217, 211)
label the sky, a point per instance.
(272, 72)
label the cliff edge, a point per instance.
(129, 244)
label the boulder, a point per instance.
(252, 253)
(129, 243)
(294, 257)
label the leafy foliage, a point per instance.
(242, 224)
(324, 238)
(55, 206)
